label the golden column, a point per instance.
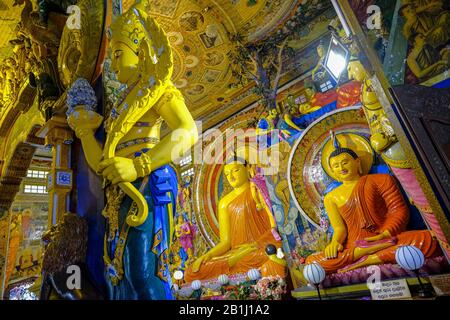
(59, 136)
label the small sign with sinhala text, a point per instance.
(390, 290)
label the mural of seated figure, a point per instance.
(369, 217)
(245, 231)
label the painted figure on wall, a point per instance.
(319, 73)
(141, 186)
(368, 215)
(245, 231)
(15, 240)
(425, 62)
(426, 28)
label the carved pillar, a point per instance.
(59, 185)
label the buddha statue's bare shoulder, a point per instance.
(331, 197)
(225, 201)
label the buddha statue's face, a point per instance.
(309, 92)
(345, 167)
(236, 173)
(124, 62)
(356, 71)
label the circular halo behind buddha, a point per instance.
(308, 180)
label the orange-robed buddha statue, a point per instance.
(369, 217)
(245, 231)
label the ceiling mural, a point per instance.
(199, 33)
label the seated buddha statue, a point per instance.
(245, 231)
(368, 215)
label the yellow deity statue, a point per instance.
(134, 159)
(382, 134)
(367, 212)
(245, 231)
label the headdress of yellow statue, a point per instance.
(353, 144)
(143, 35)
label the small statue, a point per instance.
(10, 80)
(382, 136)
(185, 232)
(244, 231)
(368, 215)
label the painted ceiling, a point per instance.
(198, 31)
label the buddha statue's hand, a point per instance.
(331, 251)
(384, 235)
(118, 169)
(204, 258)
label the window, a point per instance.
(326, 86)
(188, 172)
(38, 174)
(29, 188)
(186, 161)
(301, 100)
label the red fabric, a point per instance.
(349, 94)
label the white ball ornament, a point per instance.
(196, 285)
(409, 257)
(254, 274)
(223, 279)
(314, 273)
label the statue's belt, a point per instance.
(137, 141)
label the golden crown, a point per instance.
(129, 29)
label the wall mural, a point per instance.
(413, 30)
(28, 224)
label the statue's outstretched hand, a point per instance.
(117, 170)
(331, 251)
